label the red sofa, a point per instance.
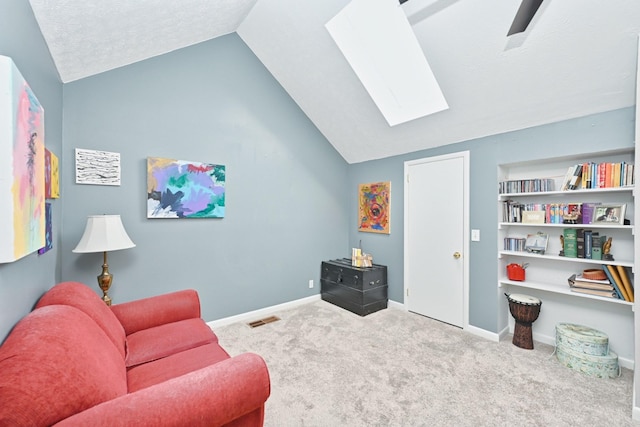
(73, 361)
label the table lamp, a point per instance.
(104, 233)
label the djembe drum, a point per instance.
(525, 310)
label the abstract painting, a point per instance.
(97, 167)
(51, 175)
(374, 205)
(22, 223)
(48, 236)
(184, 189)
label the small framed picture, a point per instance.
(536, 243)
(609, 214)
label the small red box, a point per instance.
(515, 272)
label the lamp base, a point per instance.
(104, 281)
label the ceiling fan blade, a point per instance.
(526, 11)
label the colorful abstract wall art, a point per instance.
(22, 223)
(97, 167)
(184, 189)
(51, 175)
(374, 205)
(48, 236)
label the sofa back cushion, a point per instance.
(54, 363)
(82, 297)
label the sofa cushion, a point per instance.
(54, 363)
(82, 297)
(173, 366)
(157, 310)
(162, 341)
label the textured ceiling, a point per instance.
(577, 57)
(87, 37)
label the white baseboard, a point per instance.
(483, 333)
(635, 413)
(396, 305)
(263, 312)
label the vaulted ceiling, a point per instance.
(577, 57)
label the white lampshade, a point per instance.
(103, 233)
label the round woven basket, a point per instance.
(594, 274)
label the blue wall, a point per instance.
(604, 131)
(286, 202)
(23, 281)
(292, 200)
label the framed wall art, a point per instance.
(374, 207)
(22, 169)
(185, 189)
(97, 167)
(48, 236)
(51, 175)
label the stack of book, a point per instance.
(617, 284)
(602, 288)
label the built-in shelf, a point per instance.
(506, 196)
(546, 287)
(547, 274)
(625, 263)
(589, 226)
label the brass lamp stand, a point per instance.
(104, 280)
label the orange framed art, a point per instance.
(374, 207)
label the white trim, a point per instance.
(396, 305)
(258, 314)
(465, 232)
(482, 333)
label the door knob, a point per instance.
(456, 255)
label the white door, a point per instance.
(436, 222)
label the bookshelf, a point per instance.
(547, 274)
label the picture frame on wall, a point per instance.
(374, 207)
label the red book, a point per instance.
(602, 172)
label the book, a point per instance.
(616, 281)
(596, 246)
(580, 242)
(602, 167)
(587, 212)
(588, 175)
(615, 286)
(577, 281)
(570, 245)
(575, 179)
(588, 243)
(622, 272)
(608, 294)
(567, 178)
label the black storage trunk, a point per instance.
(361, 290)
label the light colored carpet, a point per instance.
(332, 368)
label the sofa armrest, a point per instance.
(212, 396)
(157, 310)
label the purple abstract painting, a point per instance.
(184, 189)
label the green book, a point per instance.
(570, 242)
(596, 247)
